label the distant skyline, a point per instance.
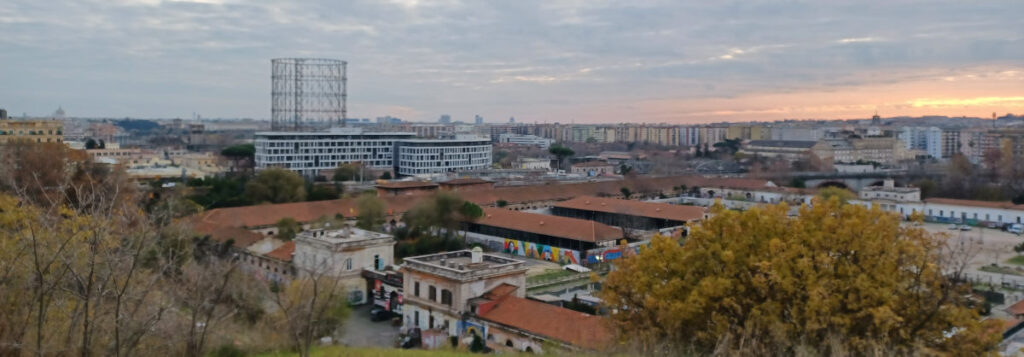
(539, 61)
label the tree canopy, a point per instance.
(370, 212)
(347, 172)
(240, 151)
(276, 186)
(837, 279)
(561, 152)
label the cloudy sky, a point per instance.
(540, 61)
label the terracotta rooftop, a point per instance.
(242, 238)
(1016, 309)
(554, 226)
(561, 324)
(634, 208)
(406, 184)
(284, 252)
(974, 203)
(592, 164)
(269, 214)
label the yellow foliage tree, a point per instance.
(837, 279)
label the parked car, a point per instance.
(1015, 228)
(379, 314)
(964, 227)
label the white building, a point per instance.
(343, 253)
(527, 140)
(318, 153)
(531, 163)
(889, 192)
(439, 156)
(438, 287)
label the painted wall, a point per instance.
(526, 249)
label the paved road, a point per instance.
(361, 332)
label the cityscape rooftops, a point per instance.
(634, 208)
(554, 226)
(464, 265)
(501, 306)
(342, 238)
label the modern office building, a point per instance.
(438, 156)
(318, 153)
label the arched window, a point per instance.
(509, 343)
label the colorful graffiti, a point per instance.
(609, 254)
(468, 328)
(540, 251)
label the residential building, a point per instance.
(928, 139)
(784, 149)
(884, 150)
(468, 292)
(438, 287)
(38, 131)
(525, 140)
(593, 168)
(951, 144)
(343, 253)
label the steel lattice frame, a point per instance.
(307, 93)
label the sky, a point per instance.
(582, 61)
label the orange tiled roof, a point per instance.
(267, 215)
(562, 227)
(284, 252)
(975, 203)
(634, 208)
(572, 327)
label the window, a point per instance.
(376, 262)
(446, 297)
(433, 293)
(416, 289)
(348, 264)
(416, 318)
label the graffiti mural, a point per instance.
(469, 328)
(541, 251)
(609, 254)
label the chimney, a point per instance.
(476, 255)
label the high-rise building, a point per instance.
(445, 119)
(478, 119)
(511, 120)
